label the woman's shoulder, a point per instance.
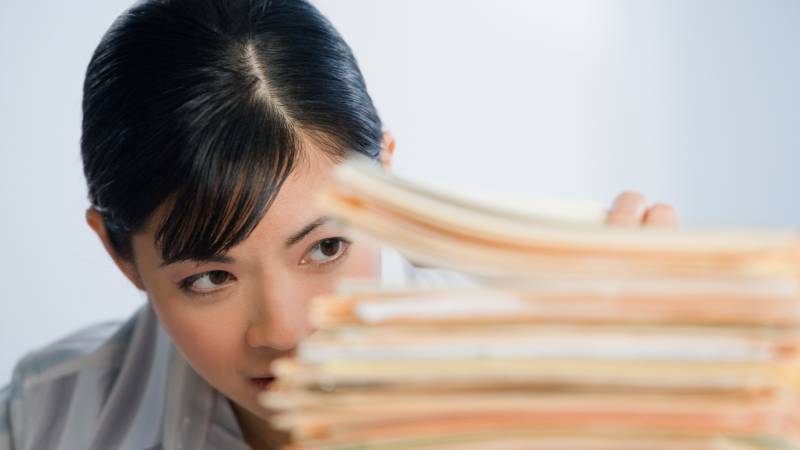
(44, 379)
(93, 346)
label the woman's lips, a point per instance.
(263, 383)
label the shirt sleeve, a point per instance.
(6, 431)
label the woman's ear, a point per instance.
(387, 151)
(96, 223)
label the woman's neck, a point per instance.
(258, 433)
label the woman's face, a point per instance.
(232, 318)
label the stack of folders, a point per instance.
(579, 336)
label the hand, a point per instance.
(629, 209)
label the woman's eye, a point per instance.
(326, 251)
(206, 282)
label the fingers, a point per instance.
(630, 209)
(661, 215)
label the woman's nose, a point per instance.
(280, 321)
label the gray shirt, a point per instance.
(125, 386)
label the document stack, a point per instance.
(575, 337)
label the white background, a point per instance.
(693, 103)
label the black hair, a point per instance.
(202, 107)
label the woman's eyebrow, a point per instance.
(297, 237)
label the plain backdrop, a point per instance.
(694, 103)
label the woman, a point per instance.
(208, 126)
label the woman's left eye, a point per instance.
(326, 251)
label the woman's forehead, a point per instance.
(291, 208)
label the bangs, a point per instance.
(230, 182)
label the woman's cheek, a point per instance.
(208, 335)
